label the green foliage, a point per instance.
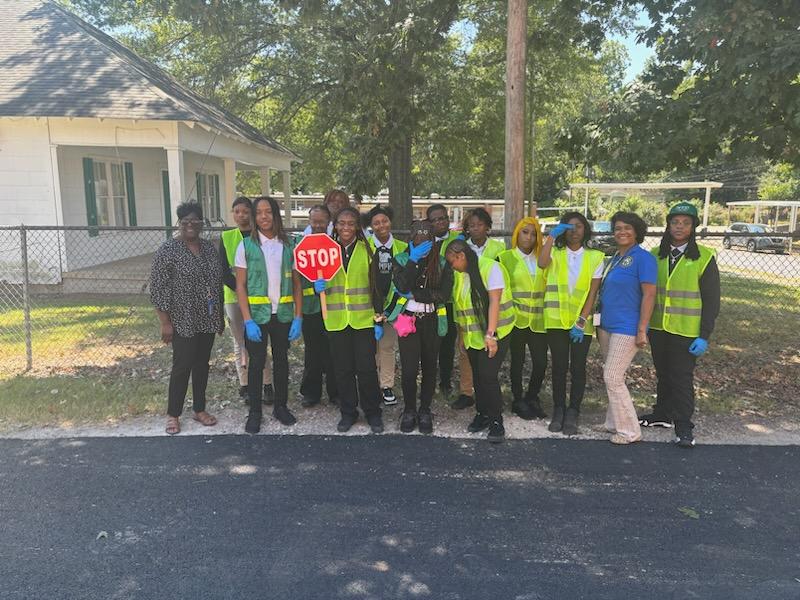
(781, 182)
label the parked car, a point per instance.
(603, 237)
(778, 243)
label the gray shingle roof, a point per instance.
(54, 64)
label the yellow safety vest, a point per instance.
(464, 313)
(562, 309)
(230, 241)
(527, 291)
(678, 305)
(348, 294)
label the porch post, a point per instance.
(265, 182)
(758, 213)
(705, 207)
(793, 219)
(287, 198)
(177, 183)
(230, 189)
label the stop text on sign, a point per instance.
(317, 258)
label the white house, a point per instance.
(93, 135)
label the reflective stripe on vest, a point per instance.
(678, 305)
(464, 313)
(562, 308)
(527, 291)
(230, 241)
(348, 294)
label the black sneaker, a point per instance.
(463, 401)
(425, 421)
(684, 439)
(497, 433)
(346, 422)
(536, 408)
(479, 423)
(308, 402)
(284, 415)
(558, 420)
(522, 410)
(253, 424)
(408, 421)
(654, 420)
(375, 423)
(570, 425)
(389, 399)
(269, 395)
(243, 393)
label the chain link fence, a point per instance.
(73, 298)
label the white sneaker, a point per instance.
(389, 398)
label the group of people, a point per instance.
(442, 290)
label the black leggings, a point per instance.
(537, 344)
(277, 334)
(566, 356)
(488, 397)
(353, 355)
(190, 356)
(447, 351)
(421, 346)
(316, 360)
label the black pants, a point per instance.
(566, 356)
(537, 345)
(419, 347)
(190, 356)
(447, 351)
(316, 360)
(488, 397)
(353, 356)
(277, 334)
(675, 371)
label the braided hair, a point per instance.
(477, 289)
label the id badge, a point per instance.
(596, 319)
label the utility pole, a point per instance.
(516, 41)
(586, 194)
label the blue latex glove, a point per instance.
(295, 329)
(252, 330)
(378, 332)
(319, 286)
(461, 237)
(416, 253)
(698, 347)
(408, 295)
(559, 229)
(576, 334)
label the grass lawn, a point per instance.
(99, 359)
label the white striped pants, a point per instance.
(618, 352)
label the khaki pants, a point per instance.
(618, 352)
(236, 327)
(464, 368)
(385, 357)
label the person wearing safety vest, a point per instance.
(484, 311)
(353, 325)
(527, 291)
(316, 348)
(627, 295)
(242, 209)
(443, 236)
(271, 299)
(422, 281)
(571, 283)
(384, 246)
(686, 309)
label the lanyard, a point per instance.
(610, 267)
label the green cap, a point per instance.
(683, 208)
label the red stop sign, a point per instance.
(317, 256)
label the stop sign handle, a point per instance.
(322, 302)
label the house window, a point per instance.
(208, 195)
(110, 193)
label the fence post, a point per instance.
(26, 298)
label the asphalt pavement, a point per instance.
(395, 517)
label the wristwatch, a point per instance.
(490, 335)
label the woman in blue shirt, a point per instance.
(627, 296)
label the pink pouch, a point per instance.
(405, 325)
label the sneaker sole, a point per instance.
(389, 402)
(662, 424)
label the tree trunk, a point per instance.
(515, 112)
(400, 183)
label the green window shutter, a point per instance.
(90, 196)
(216, 196)
(198, 177)
(131, 194)
(167, 203)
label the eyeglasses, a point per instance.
(439, 219)
(193, 222)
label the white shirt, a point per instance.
(388, 245)
(496, 280)
(478, 249)
(272, 249)
(529, 260)
(574, 263)
(682, 248)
